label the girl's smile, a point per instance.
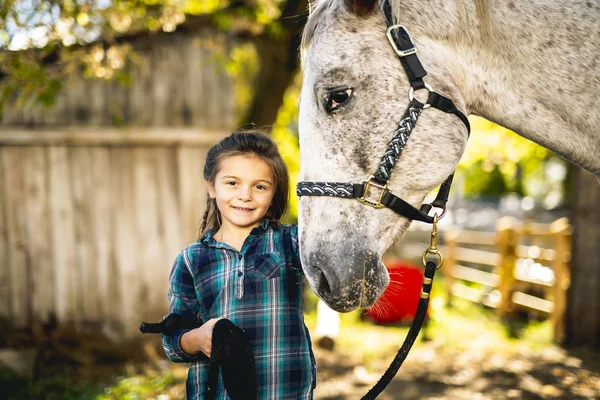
(242, 209)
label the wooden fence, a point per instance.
(100, 192)
(91, 221)
(520, 266)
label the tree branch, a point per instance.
(192, 24)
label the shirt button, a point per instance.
(240, 273)
(240, 256)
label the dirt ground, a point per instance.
(471, 366)
(475, 373)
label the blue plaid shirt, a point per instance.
(259, 290)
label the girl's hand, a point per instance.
(204, 335)
(199, 339)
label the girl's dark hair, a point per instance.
(246, 143)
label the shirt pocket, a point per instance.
(266, 266)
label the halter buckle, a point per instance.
(392, 39)
(367, 185)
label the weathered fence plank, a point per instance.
(562, 275)
(5, 306)
(86, 257)
(125, 241)
(63, 237)
(37, 227)
(161, 95)
(178, 114)
(101, 225)
(146, 214)
(191, 190)
(19, 257)
(170, 220)
(196, 61)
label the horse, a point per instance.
(531, 66)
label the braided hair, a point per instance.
(246, 143)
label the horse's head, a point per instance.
(353, 96)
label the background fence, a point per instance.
(100, 192)
(521, 266)
(89, 229)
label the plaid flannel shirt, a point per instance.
(259, 290)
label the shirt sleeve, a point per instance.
(296, 248)
(184, 302)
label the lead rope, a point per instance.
(413, 332)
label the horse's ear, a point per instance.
(361, 7)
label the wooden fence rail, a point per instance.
(520, 266)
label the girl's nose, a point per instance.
(245, 193)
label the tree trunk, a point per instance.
(279, 61)
(583, 297)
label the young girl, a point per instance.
(245, 267)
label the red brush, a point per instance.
(399, 301)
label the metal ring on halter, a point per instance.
(411, 95)
(435, 252)
(442, 214)
(426, 208)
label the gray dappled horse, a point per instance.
(532, 66)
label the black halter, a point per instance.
(407, 52)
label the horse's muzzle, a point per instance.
(347, 280)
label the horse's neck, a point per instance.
(531, 67)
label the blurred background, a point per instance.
(107, 110)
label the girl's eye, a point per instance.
(230, 183)
(261, 187)
(337, 98)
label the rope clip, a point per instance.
(433, 245)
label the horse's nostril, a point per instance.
(322, 284)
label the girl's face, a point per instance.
(243, 189)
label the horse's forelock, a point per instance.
(320, 9)
(361, 7)
(317, 14)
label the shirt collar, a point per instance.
(209, 237)
(262, 227)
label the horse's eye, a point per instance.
(337, 98)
